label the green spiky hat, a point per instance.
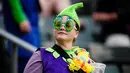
(70, 11)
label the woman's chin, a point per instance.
(60, 38)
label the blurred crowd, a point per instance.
(102, 21)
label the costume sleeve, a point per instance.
(17, 11)
(34, 65)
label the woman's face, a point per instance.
(62, 34)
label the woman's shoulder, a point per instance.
(44, 51)
(37, 53)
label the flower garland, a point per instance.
(81, 61)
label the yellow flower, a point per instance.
(73, 66)
(76, 64)
(81, 61)
(87, 68)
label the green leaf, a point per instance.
(49, 49)
(69, 60)
(55, 54)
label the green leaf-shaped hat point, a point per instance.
(70, 11)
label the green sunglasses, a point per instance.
(68, 25)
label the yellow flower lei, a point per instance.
(81, 61)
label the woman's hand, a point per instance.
(25, 26)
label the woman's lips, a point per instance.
(62, 33)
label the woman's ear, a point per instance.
(75, 37)
(77, 33)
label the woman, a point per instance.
(62, 57)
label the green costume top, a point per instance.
(17, 11)
(70, 53)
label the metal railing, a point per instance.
(16, 42)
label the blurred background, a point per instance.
(104, 33)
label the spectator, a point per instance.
(21, 19)
(58, 59)
(53, 6)
(113, 15)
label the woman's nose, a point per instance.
(62, 27)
